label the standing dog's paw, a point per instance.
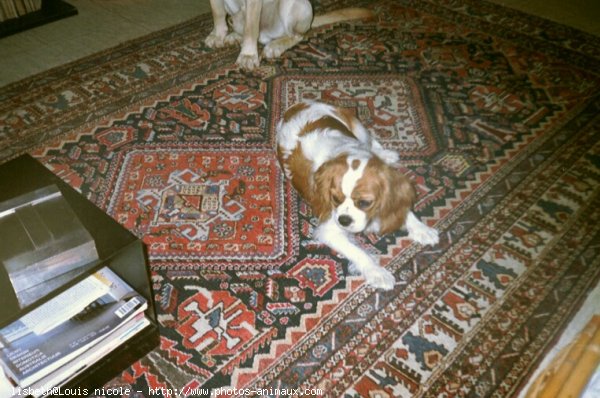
(214, 40)
(273, 50)
(248, 61)
(232, 39)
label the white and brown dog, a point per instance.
(277, 24)
(351, 182)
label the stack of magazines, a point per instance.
(44, 246)
(61, 338)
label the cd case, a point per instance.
(43, 244)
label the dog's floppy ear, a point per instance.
(327, 179)
(397, 197)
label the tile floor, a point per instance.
(102, 24)
(99, 25)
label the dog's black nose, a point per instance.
(345, 220)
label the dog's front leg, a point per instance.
(216, 38)
(333, 236)
(248, 58)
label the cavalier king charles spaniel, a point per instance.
(351, 182)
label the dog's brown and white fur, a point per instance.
(277, 24)
(351, 182)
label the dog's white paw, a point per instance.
(420, 232)
(380, 278)
(214, 40)
(248, 61)
(424, 235)
(232, 39)
(273, 50)
(375, 276)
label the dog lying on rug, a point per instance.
(277, 24)
(350, 181)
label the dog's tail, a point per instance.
(341, 15)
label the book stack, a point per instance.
(60, 339)
(72, 309)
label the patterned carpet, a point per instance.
(496, 116)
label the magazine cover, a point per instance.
(66, 326)
(70, 370)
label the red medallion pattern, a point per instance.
(205, 206)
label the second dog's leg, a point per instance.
(248, 58)
(277, 47)
(216, 38)
(296, 16)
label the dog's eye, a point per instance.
(364, 204)
(337, 199)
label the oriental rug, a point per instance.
(496, 116)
